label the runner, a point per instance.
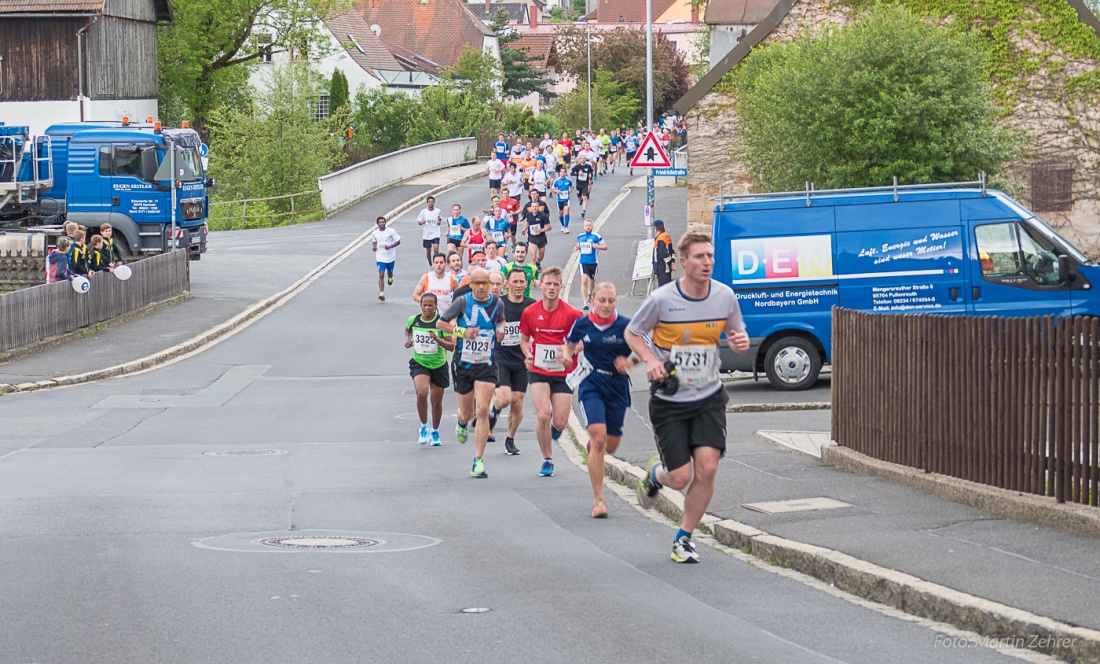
(454, 263)
(567, 148)
(478, 321)
(588, 244)
(605, 392)
(493, 262)
(604, 145)
(616, 148)
(499, 226)
(685, 321)
(545, 142)
(512, 184)
(511, 369)
(519, 153)
(563, 188)
(519, 262)
(456, 228)
(583, 173)
(474, 239)
(495, 168)
(540, 177)
(383, 243)
(428, 366)
(511, 207)
(429, 218)
(500, 148)
(544, 325)
(537, 219)
(527, 167)
(496, 287)
(551, 158)
(631, 144)
(438, 283)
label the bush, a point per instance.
(888, 95)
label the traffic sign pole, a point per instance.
(649, 102)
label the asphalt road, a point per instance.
(123, 540)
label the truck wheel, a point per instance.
(791, 364)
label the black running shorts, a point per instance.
(589, 269)
(514, 378)
(681, 427)
(557, 383)
(465, 377)
(437, 376)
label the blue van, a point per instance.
(957, 249)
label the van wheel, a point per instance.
(791, 364)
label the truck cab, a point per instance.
(953, 249)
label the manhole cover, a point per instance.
(319, 542)
(245, 452)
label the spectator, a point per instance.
(78, 256)
(57, 263)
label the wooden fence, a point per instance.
(1008, 402)
(40, 312)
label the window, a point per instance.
(1051, 187)
(320, 108)
(265, 48)
(121, 160)
(1014, 254)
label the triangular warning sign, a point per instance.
(650, 154)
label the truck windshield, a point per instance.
(1058, 241)
(194, 163)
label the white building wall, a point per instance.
(39, 115)
(338, 58)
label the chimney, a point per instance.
(533, 16)
(487, 9)
(694, 14)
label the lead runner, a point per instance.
(682, 323)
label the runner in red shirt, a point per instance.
(567, 157)
(544, 326)
(511, 208)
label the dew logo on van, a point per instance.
(801, 258)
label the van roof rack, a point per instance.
(810, 191)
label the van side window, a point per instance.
(1013, 254)
(105, 159)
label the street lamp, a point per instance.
(588, 26)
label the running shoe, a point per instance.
(647, 488)
(389, 281)
(461, 433)
(510, 447)
(423, 438)
(586, 306)
(683, 551)
(599, 510)
(491, 438)
(436, 442)
(478, 469)
(547, 469)
(381, 297)
(565, 230)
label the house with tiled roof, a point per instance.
(519, 13)
(627, 11)
(74, 60)
(1059, 177)
(438, 30)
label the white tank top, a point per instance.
(442, 288)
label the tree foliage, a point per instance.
(381, 121)
(338, 93)
(888, 95)
(202, 54)
(612, 104)
(274, 147)
(621, 52)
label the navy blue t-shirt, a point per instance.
(602, 344)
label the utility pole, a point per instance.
(649, 106)
(589, 75)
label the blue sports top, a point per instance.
(563, 185)
(501, 149)
(602, 344)
(588, 252)
(456, 227)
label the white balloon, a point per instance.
(81, 284)
(123, 272)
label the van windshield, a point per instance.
(1058, 241)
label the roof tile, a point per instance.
(439, 30)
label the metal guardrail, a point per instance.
(1007, 402)
(352, 184)
(40, 312)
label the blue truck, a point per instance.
(120, 173)
(956, 249)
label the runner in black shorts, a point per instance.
(684, 322)
(537, 217)
(477, 320)
(428, 366)
(583, 174)
(511, 371)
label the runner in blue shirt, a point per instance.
(631, 147)
(499, 226)
(457, 226)
(501, 147)
(604, 390)
(562, 188)
(588, 243)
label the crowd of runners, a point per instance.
(480, 331)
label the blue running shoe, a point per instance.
(423, 438)
(435, 439)
(547, 469)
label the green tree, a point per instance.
(275, 147)
(338, 94)
(621, 52)
(612, 104)
(461, 104)
(580, 7)
(520, 78)
(477, 73)
(888, 95)
(202, 54)
(381, 121)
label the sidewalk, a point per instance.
(1040, 570)
(240, 269)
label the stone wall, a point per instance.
(1062, 132)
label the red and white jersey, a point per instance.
(547, 331)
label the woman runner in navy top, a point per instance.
(605, 391)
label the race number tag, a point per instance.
(577, 376)
(696, 365)
(424, 343)
(586, 248)
(478, 350)
(548, 358)
(498, 236)
(443, 298)
(511, 334)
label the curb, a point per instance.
(1028, 508)
(777, 407)
(235, 324)
(902, 591)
